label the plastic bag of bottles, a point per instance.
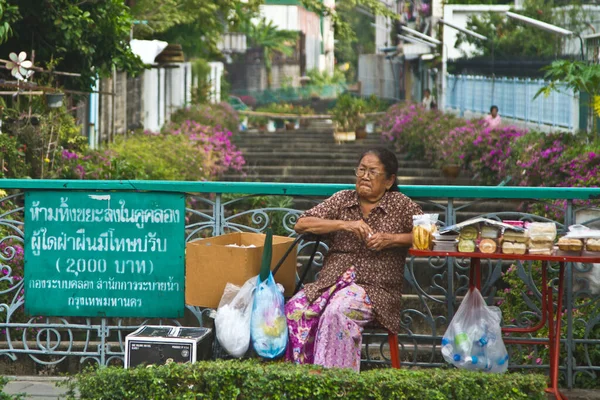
(232, 323)
(268, 326)
(473, 339)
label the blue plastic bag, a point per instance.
(268, 325)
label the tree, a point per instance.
(86, 37)
(579, 76)
(509, 38)
(343, 29)
(362, 41)
(270, 39)
(195, 24)
(8, 15)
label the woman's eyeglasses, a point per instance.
(361, 172)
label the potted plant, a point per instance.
(373, 105)
(346, 116)
(451, 156)
(54, 99)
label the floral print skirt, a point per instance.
(328, 331)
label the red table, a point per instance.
(548, 314)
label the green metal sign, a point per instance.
(104, 254)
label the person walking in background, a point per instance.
(492, 120)
(428, 100)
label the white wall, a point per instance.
(165, 90)
(376, 75)
(283, 17)
(296, 18)
(383, 28)
(327, 61)
(459, 15)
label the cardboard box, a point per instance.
(210, 264)
(159, 345)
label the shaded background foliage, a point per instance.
(87, 37)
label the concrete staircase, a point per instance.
(315, 157)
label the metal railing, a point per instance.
(514, 98)
(287, 94)
(215, 208)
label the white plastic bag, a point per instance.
(232, 322)
(473, 339)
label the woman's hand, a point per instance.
(380, 241)
(359, 228)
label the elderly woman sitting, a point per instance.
(369, 231)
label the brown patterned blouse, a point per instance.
(380, 273)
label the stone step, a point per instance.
(309, 143)
(325, 129)
(312, 160)
(403, 180)
(318, 170)
(317, 153)
(299, 135)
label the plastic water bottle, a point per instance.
(483, 340)
(447, 350)
(481, 362)
(498, 358)
(501, 364)
(463, 343)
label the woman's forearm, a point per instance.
(402, 239)
(318, 226)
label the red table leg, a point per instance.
(547, 310)
(475, 273)
(554, 323)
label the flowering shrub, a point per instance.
(415, 131)
(219, 153)
(189, 151)
(286, 108)
(220, 115)
(95, 164)
(11, 275)
(491, 155)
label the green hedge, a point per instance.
(255, 380)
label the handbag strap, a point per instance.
(285, 256)
(310, 261)
(306, 268)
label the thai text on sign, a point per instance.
(104, 254)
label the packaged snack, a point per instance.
(466, 246)
(451, 237)
(489, 232)
(445, 245)
(543, 252)
(423, 227)
(519, 237)
(513, 248)
(592, 244)
(540, 231)
(487, 246)
(542, 244)
(469, 232)
(518, 224)
(566, 244)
